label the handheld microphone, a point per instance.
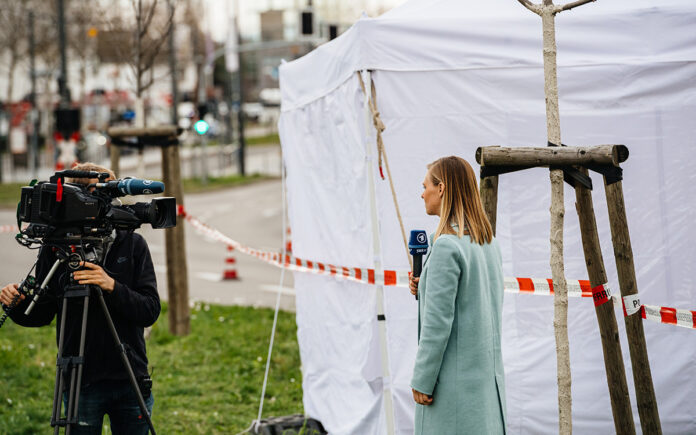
(132, 186)
(417, 246)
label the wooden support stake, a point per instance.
(115, 157)
(608, 329)
(623, 253)
(177, 272)
(489, 198)
(559, 156)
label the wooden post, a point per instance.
(489, 198)
(608, 329)
(557, 156)
(115, 155)
(177, 271)
(623, 253)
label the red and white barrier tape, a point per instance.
(537, 286)
(364, 275)
(576, 288)
(670, 316)
(9, 229)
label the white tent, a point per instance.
(453, 75)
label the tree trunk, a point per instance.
(10, 76)
(560, 312)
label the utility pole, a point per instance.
(63, 78)
(33, 146)
(240, 84)
(172, 69)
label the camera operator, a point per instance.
(130, 291)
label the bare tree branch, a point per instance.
(150, 15)
(572, 5)
(144, 86)
(531, 6)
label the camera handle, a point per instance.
(40, 291)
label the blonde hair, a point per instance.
(88, 166)
(461, 203)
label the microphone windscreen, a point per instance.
(136, 186)
(418, 242)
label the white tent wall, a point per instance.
(627, 75)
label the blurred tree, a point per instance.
(14, 36)
(85, 19)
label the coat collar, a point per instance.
(430, 246)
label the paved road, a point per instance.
(250, 214)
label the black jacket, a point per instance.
(134, 304)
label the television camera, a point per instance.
(77, 222)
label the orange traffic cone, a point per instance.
(230, 271)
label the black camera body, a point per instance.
(55, 208)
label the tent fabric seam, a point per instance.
(312, 99)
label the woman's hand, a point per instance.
(95, 275)
(413, 285)
(420, 398)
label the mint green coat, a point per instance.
(459, 360)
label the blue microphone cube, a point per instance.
(418, 242)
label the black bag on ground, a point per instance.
(296, 424)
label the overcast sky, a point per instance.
(343, 11)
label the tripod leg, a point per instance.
(126, 363)
(76, 371)
(58, 390)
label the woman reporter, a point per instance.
(458, 379)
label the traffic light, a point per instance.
(307, 23)
(202, 110)
(67, 121)
(201, 127)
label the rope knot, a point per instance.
(377, 121)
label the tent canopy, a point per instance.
(453, 75)
(433, 35)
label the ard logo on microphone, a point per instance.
(418, 242)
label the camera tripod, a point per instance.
(72, 365)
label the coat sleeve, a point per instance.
(47, 306)
(141, 304)
(442, 283)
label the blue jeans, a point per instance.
(115, 398)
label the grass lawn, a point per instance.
(10, 193)
(268, 139)
(206, 383)
(194, 185)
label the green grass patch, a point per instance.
(10, 194)
(268, 139)
(194, 185)
(206, 383)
